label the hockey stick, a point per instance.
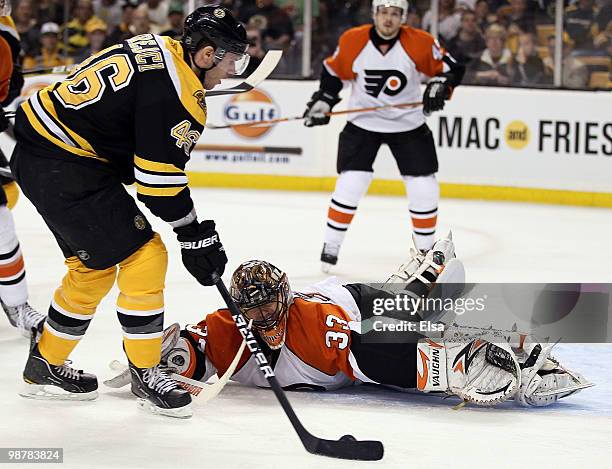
(50, 70)
(345, 448)
(201, 392)
(266, 67)
(297, 118)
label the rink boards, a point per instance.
(493, 143)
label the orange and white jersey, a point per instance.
(382, 79)
(9, 50)
(316, 353)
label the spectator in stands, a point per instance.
(256, 50)
(574, 74)
(414, 19)
(449, 20)
(484, 18)
(528, 67)
(603, 41)
(50, 11)
(579, 22)
(25, 23)
(516, 17)
(158, 13)
(176, 18)
(494, 67)
(122, 32)
(77, 37)
(279, 30)
(108, 11)
(96, 36)
(49, 51)
(140, 21)
(469, 43)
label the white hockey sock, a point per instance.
(423, 196)
(13, 286)
(350, 188)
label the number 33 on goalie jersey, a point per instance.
(316, 353)
(136, 107)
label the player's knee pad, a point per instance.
(351, 186)
(142, 275)
(83, 288)
(423, 191)
(12, 193)
(8, 237)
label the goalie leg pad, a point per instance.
(478, 371)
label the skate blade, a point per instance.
(49, 392)
(184, 412)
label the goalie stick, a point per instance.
(201, 392)
(345, 448)
(263, 71)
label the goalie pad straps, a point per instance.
(475, 370)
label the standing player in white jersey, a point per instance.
(383, 62)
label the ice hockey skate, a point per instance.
(329, 256)
(52, 382)
(158, 393)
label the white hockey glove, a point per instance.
(476, 369)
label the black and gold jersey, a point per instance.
(136, 106)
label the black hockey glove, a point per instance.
(201, 250)
(4, 122)
(436, 92)
(320, 103)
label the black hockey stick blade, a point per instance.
(266, 67)
(347, 447)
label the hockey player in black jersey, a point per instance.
(129, 114)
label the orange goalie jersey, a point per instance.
(316, 353)
(384, 79)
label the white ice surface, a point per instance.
(245, 427)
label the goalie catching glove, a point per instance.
(201, 250)
(436, 93)
(319, 105)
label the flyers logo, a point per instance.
(390, 82)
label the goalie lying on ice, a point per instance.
(317, 339)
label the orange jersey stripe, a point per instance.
(423, 49)
(6, 68)
(351, 43)
(425, 222)
(339, 217)
(8, 270)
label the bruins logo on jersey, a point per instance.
(199, 96)
(390, 82)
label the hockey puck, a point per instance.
(348, 438)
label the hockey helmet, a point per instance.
(216, 25)
(401, 4)
(263, 295)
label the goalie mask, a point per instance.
(263, 295)
(5, 7)
(401, 4)
(215, 25)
